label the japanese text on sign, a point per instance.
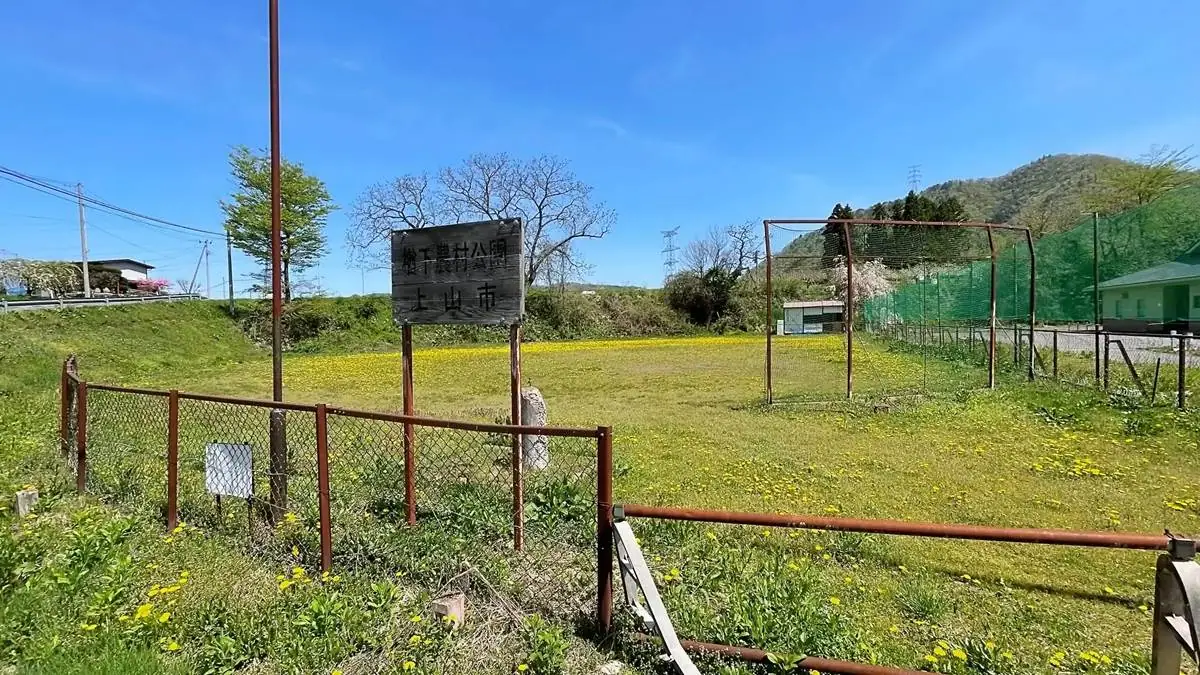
(464, 273)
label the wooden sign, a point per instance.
(469, 273)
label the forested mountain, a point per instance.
(1047, 195)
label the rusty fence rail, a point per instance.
(322, 486)
(1117, 540)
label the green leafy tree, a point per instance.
(1124, 185)
(947, 244)
(832, 241)
(306, 205)
(879, 236)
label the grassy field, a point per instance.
(689, 432)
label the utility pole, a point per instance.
(203, 254)
(229, 265)
(207, 273)
(83, 249)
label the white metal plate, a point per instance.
(229, 469)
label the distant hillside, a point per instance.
(1046, 195)
(1054, 183)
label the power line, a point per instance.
(34, 183)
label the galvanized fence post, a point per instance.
(604, 525)
(172, 459)
(81, 412)
(323, 487)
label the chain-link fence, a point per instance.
(442, 502)
(885, 308)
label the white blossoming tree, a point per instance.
(870, 280)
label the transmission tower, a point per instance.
(914, 177)
(669, 250)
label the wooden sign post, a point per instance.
(468, 273)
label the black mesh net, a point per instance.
(921, 311)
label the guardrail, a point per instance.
(63, 303)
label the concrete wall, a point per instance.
(1119, 307)
(1151, 297)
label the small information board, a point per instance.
(229, 469)
(468, 273)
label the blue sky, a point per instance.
(686, 113)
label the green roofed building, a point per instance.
(1157, 299)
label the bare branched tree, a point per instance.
(745, 245)
(407, 202)
(555, 207)
(733, 248)
(710, 251)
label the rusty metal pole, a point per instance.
(81, 436)
(278, 459)
(410, 459)
(323, 487)
(1181, 378)
(1107, 341)
(991, 349)
(1096, 306)
(518, 477)
(604, 526)
(849, 310)
(172, 459)
(1026, 535)
(64, 413)
(1054, 353)
(1032, 299)
(770, 308)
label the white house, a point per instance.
(812, 316)
(130, 270)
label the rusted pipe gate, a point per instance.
(1178, 577)
(848, 319)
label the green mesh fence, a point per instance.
(1130, 241)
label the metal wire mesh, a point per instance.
(227, 477)
(126, 449)
(922, 307)
(463, 489)
(250, 474)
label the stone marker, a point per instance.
(25, 501)
(535, 450)
(453, 606)
(611, 668)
